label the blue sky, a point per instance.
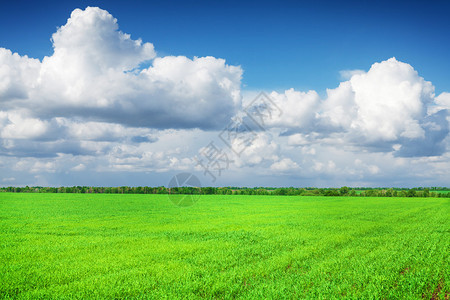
(362, 88)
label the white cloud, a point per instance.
(14, 125)
(299, 139)
(94, 74)
(339, 109)
(298, 109)
(261, 149)
(374, 169)
(140, 158)
(384, 104)
(36, 166)
(391, 100)
(18, 75)
(92, 40)
(441, 102)
(378, 109)
(285, 164)
(102, 131)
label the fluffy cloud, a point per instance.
(442, 102)
(385, 107)
(95, 74)
(298, 109)
(92, 41)
(18, 74)
(261, 149)
(284, 164)
(390, 101)
(14, 125)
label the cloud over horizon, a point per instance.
(104, 102)
(385, 109)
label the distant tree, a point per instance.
(208, 190)
(280, 191)
(371, 193)
(344, 191)
(331, 192)
(411, 193)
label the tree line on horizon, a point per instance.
(289, 191)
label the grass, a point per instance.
(142, 246)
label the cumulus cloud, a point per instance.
(134, 158)
(18, 74)
(390, 100)
(91, 37)
(14, 125)
(442, 102)
(298, 108)
(299, 139)
(385, 106)
(34, 166)
(284, 164)
(95, 74)
(261, 149)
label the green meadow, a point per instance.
(280, 247)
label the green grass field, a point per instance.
(142, 246)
